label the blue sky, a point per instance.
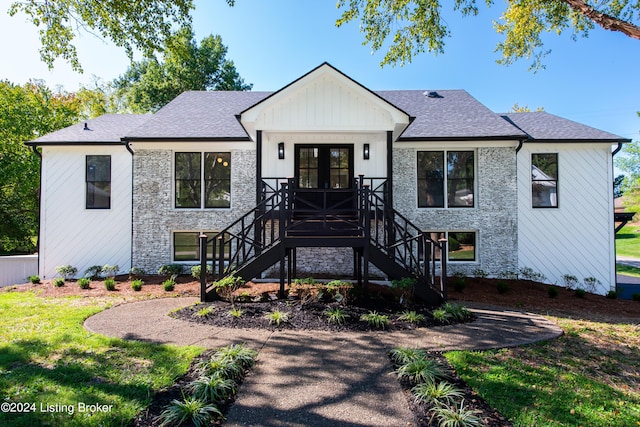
(595, 81)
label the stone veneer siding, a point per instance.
(154, 216)
(494, 217)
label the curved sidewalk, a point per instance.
(316, 378)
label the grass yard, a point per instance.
(628, 270)
(628, 241)
(588, 377)
(51, 368)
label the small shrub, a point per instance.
(411, 317)
(192, 412)
(376, 320)
(406, 287)
(169, 284)
(479, 273)
(457, 312)
(336, 315)
(136, 285)
(227, 286)
(93, 272)
(436, 393)
(635, 297)
(236, 313)
(570, 281)
(508, 275)
(35, 279)
(591, 284)
(220, 367)
(277, 317)
(67, 271)
(110, 284)
(441, 316)
(211, 388)
(529, 273)
(204, 312)
(421, 370)
(135, 271)
(339, 290)
(502, 287)
(170, 270)
(84, 282)
(459, 283)
(58, 282)
(612, 294)
(580, 293)
(457, 416)
(237, 353)
(552, 292)
(403, 355)
(110, 270)
(196, 269)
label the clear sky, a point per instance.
(595, 81)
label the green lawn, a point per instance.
(51, 368)
(628, 241)
(588, 377)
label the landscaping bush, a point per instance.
(612, 294)
(135, 271)
(459, 282)
(570, 281)
(405, 286)
(110, 284)
(376, 320)
(552, 291)
(635, 297)
(110, 270)
(170, 269)
(93, 272)
(227, 286)
(84, 282)
(35, 279)
(580, 293)
(58, 282)
(67, 271)
(136, 285)
(169, 284)
(196, 269)
(502, 287)
(591, 284)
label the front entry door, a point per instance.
(324, 166)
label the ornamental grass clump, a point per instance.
(336, 315)
(191, 411)
(212, 388)
(376, 320)
(402, 355)
(457, 415)
(421, 370)
(411, 317)
(436, 393)
(277, 317)
(237, 353)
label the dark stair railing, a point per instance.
(286, 219)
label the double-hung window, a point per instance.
(544, 180)
(98, 182)
(446, 179)
(461, 245)
(202, 180)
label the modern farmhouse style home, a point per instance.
(327, 177)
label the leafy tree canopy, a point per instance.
(150, 84)
(411, 27)
(141, 24)
(26, 112)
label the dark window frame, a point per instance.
(436, 235)
(554, 180)
(439, 182)
(93, 185)
(196, 246)
(202, 183)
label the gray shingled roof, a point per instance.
(196, 114)
(452, 114)
(108, 128)
(543, 126)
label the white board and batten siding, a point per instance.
(72, 234)
(577, 238)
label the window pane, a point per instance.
(462, 246)
(98, 182)
(186, 246)
(544, 180)
(308, 168)
(217, 175)
(460, 176)
(431, 179)
(188, 184)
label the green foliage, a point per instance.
(441, 316)
(406, 287)
(221, 367)
(67, 271)
(528, 273)
(411, 317)
(459, 282)
(508, 275)
(479, 273)
(457, 415)
(570, 281)
(436, 393)
(204, 312)
(196, 269)
(277, 317)
(339, 291)
(26, 113)
(110, 270)
(376, 320)
(191, 411)
(136, 285)
(591, 284)
(144, 25)
(408, 28)
(58, 282)
(502, 286)
(150, 84)
(211, 388)
(93, 272)
(336, 315)
(580, 293)
(458, 312)
(403, 355)
(236, 313)
(35, 279)
(227, 286)
(135, 271)
(169, 284)
(237, 353)
(421, 370)
(612, 294)
(635, 297)
(84, 282)
(110, 284)
(552, 291)
(170, 269)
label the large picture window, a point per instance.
(446, 179)
(544, 180)
(186, 246)
(197, 186)
(98, 182)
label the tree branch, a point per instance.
(607, 22)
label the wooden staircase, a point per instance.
(288, 218)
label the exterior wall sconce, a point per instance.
(281, 150)
(365, 151)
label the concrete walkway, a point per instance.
(313, 378)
